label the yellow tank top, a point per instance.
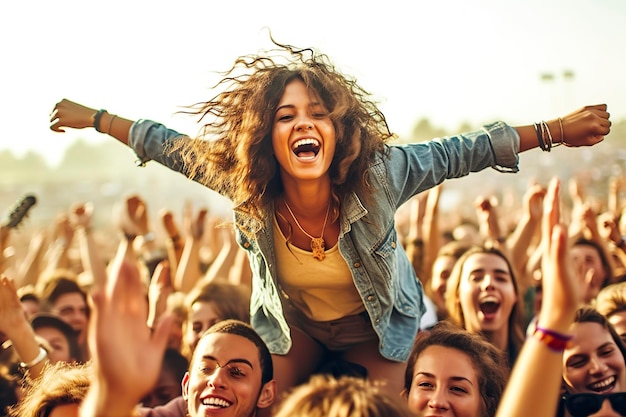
(322, 290)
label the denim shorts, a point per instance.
(335, 335)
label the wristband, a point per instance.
(42, 355)
(555, 341)
(96, 119)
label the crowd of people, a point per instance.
(336, 288)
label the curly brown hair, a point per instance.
(233, 152)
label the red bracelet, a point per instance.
(555, 341)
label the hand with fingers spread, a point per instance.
(125, 351)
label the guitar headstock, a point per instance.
(19, 212)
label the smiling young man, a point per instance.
(230, 375)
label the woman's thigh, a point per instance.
(294, 368)
(385, 371)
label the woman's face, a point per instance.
(303, 135)
(202, 315)
(58, 342)
(593, 363)
(445, 384)
(441, 272)
(486, 293)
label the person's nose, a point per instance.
(487, 282)
(438, 400)
(304, 123)
(597, 366)
(219, 378)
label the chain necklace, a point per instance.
(317, 243)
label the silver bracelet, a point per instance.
(43, 354)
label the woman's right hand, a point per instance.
(66, 114)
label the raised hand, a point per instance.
(584, 127)
(562, 287)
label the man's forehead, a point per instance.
(225, 347)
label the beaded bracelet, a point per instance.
(555, 341)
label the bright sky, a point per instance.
(451, 61)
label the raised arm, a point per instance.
(533, 388)
(15, 326)
(189, 272)
(127, 365)
(91, 258)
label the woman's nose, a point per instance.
(438, 400)
(304, 123)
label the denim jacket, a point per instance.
(382, 273)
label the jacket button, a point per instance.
(393, 245)
(370, 297)
(246, 245)
(357, 264)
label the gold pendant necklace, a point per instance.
(317, 243)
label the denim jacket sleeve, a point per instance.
(150, 141)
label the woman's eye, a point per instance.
(284, 117)
(577, 364)
(459, 390)
(425, 385)
(606, 352)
